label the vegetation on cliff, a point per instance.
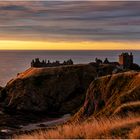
(103, 128)
(107, 106)
(58, 90)
(112, 94)
(111, 110)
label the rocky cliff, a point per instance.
(111, 95)
(1, 88)
(51, 90)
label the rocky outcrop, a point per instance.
(1, 93)
(111, 94)
(0, 88)
(51, 90)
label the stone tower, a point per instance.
(126, 60)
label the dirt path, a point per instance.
(39, 125)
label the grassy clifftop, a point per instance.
(112, 94)
(111, 111)
(51, 90)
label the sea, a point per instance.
(13, 62)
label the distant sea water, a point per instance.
(13, 62)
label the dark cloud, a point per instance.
(70, 20)
(13, 8)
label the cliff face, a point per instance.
(57, 90)
(1, 88)
(111, 95)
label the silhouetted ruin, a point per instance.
(126, 60)
(37, 63)
(98, 61)
(106, 61)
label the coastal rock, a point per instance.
(1, 93)
(1, 88)
(53, 90)
(112, 94)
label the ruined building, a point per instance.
(126, 60)
(37, 63)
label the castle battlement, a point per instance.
(37, 63)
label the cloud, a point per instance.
(70, 20)
(13, 8)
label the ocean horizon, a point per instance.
(16, 61)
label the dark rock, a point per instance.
(58, 90)
(1, 88)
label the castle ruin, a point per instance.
(37, 63)
(126, 60)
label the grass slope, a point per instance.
(110, 93)
(113, 128)
(110, 111)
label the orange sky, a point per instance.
(69, 25)
(94, 45)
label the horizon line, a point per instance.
(70, 0)
(70, 50)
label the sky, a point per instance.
(61, 25)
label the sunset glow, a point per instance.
(40, 45)
(61, 25)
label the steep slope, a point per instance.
(110, 95)
(103, 128)
(51, 90)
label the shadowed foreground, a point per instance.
(110, 99)
(110, 110)
(103, 128)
